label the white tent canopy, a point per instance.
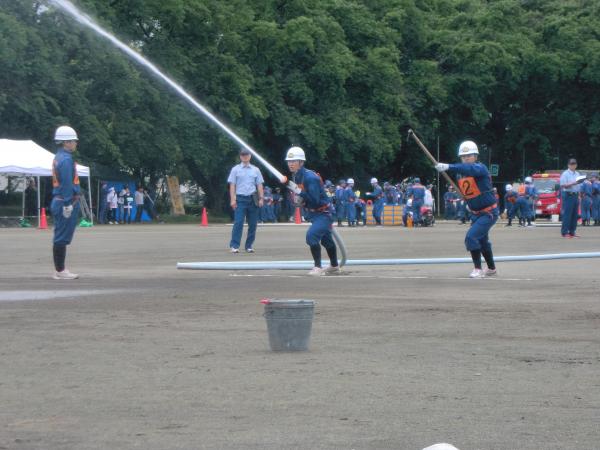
(26, 158)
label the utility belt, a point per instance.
(571, 193)
(323, 208)
(75, 198)
(485, 210)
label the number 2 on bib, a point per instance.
(468, 187)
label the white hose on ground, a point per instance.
(301, 265)
(341, 246)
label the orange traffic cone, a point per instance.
(297, 218)
(43, 221)
(204, 222)
(409, 221)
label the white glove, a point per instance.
(442, 167)
(294, 187)
(67, 211)
(298, 201)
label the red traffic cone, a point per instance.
(297, 218)
(43, 221)
(204, 222)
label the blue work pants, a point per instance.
(596, 207)
(570, 206)
(510, 210)
(449, 211)
(351, 213)
(63, 228)
(586, 207)
(417, 204)
(319, 231)
(378, 210)
(477, 237)
(340, 209)
(246, 210)
(522, 207)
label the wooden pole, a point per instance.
(432, 159)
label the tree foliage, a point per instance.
(345, 79)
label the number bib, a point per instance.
(468, 187)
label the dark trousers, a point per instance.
(570, 207)
(138, 213)
(246, 210)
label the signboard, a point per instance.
(494, 169)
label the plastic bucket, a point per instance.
(289, 323)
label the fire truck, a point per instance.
(547, 185)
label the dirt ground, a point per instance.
(138, 354)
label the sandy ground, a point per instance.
(137, 354)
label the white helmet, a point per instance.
(468, 148)
(295, 154)
(350, 181)
(373, 180)
(508, 187)
(528, 180)
(65, 133)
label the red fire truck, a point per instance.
(548, 188)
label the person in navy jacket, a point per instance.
(65, 199)
(309, 191)
(476, 187)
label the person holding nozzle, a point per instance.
(476, 187)
(65, 199)
(309, 192)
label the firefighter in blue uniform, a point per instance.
(417, 194)
(510, 199)
(308, 190)
(586, 202)
(65, 199)
(350, 199)
(450, 200)
(378, 201)
(595, 199)
(340, 202)
(525, 194)
(523, 205)
(476, 187)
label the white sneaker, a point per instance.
(330, 270)
(250, 250)
(490, 272)
(316, 272)
(477, 273)
(234, 250)
(65, 275)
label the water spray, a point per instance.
(85, 20)
(82, 18)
